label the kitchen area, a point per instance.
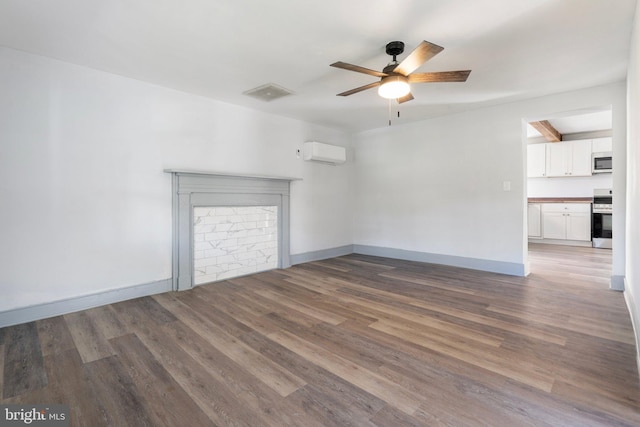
(569, 181)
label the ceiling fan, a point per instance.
(396, 77)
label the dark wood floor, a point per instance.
(352, 341)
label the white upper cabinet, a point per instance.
(557, 159)
(536, 160)
(602, 145)
(580, 158)
(568, 158)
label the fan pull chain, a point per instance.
(398, 112)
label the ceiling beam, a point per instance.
(547, 130)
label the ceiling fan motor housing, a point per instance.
(389, 69)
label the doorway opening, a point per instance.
(561, 180)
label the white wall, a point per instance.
(437, 186)
(86, 206)
(632, 277)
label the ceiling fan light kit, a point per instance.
(394, 87)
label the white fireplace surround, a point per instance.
(192, 189)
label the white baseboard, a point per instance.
(56, 308)
(510, 268)
(321, 254)
(617, 283)
(633, 314)
(561, 242)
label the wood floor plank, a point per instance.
(165, 400)
(411, 278)
(473, 318)
(361, 377)
(323, 406)
(257, 395)
(70, 385)
(391, 312)
(89, 341)
(311, 281)
(329, 338)
(150, 308)
(106, 322)
(362, 403)
(23, 364)
(54, 335)
(214, 397)
(204, 309)
(618, 334)
(120, 399)
(300, 305)
(242, 311)
(533, 375)
(262, 368)
(609, 412)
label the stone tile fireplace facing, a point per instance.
(233, 241)
(227, 225)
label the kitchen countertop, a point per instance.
(560, 200)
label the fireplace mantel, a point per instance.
(194, 188)
(229, 174)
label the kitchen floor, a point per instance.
(585, 266)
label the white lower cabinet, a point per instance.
(554, 225)
(579, 226)
(566, 221)
(534, 220)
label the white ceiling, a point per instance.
(578, 123)
(222, 48)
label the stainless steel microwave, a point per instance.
(601, 162)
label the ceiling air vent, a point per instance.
(268, 92)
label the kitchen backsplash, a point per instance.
(568, 187)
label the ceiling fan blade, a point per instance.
(407, 97)
(421, 54)
(359, 89)
(440, 76)
(358, 69)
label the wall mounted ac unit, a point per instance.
(320, 152)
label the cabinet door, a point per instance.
(534, 220)
(536, 160)
(579, 226)
(602, 145)
(557, 158)
(554, 225)
(580, 158)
